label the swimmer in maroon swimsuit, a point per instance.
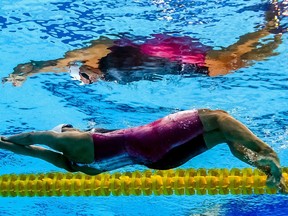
(130, 59)
(166, 143)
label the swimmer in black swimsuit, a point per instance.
(166, 143)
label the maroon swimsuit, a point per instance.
(163, 144)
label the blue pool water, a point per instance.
(45, 30)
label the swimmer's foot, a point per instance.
(274, 174)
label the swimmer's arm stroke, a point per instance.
(247, 49)
(242, 53)
(88, 56)
(52, 157)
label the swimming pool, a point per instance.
(256, 95)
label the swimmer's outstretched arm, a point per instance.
(52, 157)
(241, 54)
(88, 57)
(220, 127)
(247, 49)
(50, 139)
(62, 142)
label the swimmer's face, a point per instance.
(89, 75)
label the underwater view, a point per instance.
(126, 63)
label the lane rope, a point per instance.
(146, 183)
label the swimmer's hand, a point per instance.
(20, 139)
(282, 186)
(272, 169)
(21, 71)
(16, 80)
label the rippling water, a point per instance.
(44, 30)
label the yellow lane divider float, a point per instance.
(169, 182)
